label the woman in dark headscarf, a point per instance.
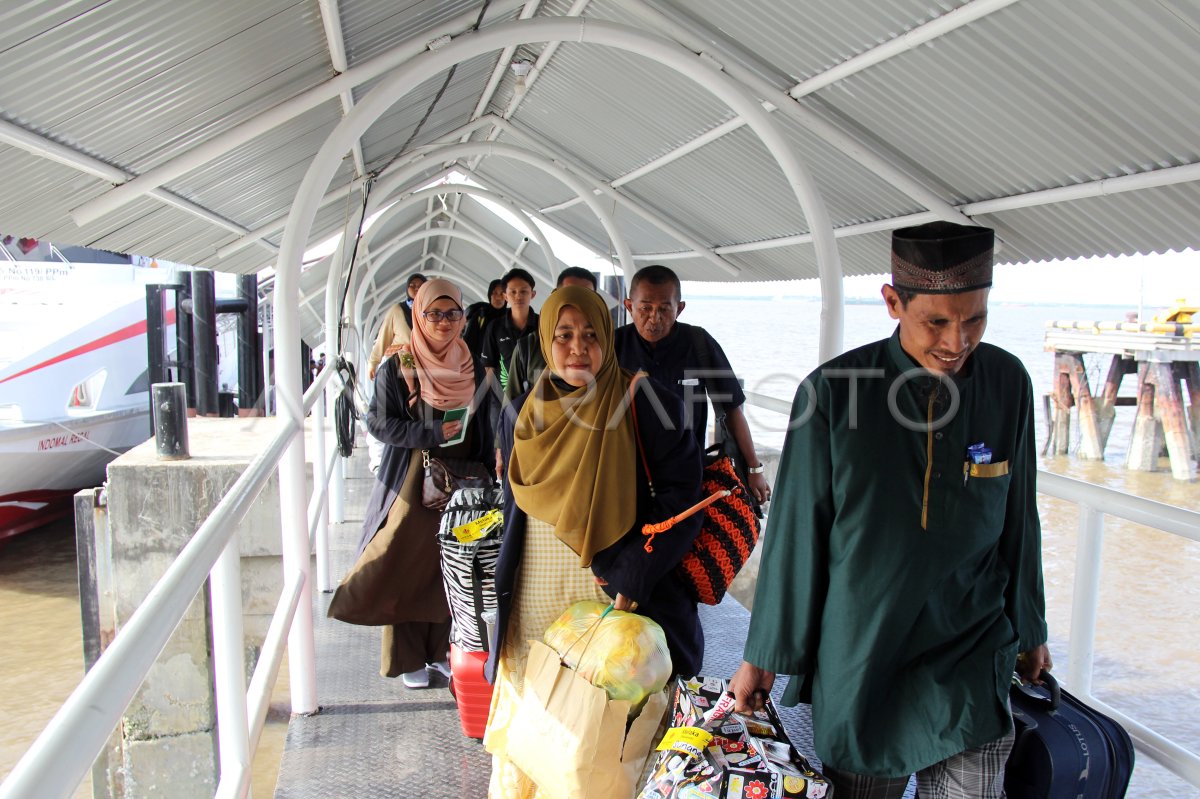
(575, 501)
(397, 580)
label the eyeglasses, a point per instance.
(452, 315)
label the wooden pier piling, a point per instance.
(1147, 440)
(1167, 420)
(1107, 402)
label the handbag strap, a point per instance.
(637, 433)
(653, 529)
(477, 578)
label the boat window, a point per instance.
(86, 394)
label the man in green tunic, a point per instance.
(901, 578)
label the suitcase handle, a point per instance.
(1048, 696)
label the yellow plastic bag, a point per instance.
(623, 653)
(571, 739)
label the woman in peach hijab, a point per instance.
(397, 581)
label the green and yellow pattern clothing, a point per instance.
(894, 587)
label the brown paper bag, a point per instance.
(570, 738)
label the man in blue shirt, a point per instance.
(687, 360)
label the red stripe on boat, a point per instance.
(136, 329)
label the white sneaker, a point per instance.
(416, 679)
(442, 668)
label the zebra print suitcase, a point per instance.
(469, 539)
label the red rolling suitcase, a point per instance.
(471, 690)
(1064, 748)
(469, 575)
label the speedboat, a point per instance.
(73, 378)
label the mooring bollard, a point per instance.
(170, 421)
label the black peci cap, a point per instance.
(942, 258)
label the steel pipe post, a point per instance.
(249, 382)
(1082, 647)
(168, 401)
(320, 487)
(268, 358)
(302, 670)
(229, 659)
(336, 348)
(337, 492)
(258, 695)
(204, 342)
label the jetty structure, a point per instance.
(753, 141)
(1165, 357)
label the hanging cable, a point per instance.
(353, 256)
(345, 414)
(429, 111)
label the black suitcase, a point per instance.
(1064, 749)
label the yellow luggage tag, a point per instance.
(691, 741)
(478, 528)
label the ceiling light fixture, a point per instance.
(521, 67)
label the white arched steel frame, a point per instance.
(516, 255)
(352, 127)
(441, 153)
(427, 193)
(462, 188)
(378, 263)
(335, 275)
(382, 297)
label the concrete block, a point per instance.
(180, 767)
(175, 699)
(168, 745)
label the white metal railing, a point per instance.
(63, 753)
(1095, 502)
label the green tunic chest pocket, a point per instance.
(985, 470)
(985, 493)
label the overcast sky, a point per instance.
(1160, 279)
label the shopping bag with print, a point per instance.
(713, 752)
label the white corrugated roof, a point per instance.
(1025, 97)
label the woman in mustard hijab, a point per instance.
(576, 498)
(397, 581)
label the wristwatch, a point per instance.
(759, 469)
